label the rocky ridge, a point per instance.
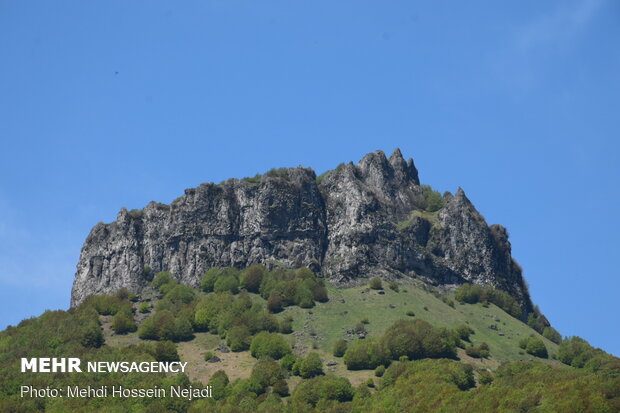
(356, 221)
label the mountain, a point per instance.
(354, 222)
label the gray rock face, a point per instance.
(356, 221)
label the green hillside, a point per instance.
(265, 341)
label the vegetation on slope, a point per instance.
(299, 345)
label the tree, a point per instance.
(536, 347)
(219, 383)
(266, 344)
(238, 338)
(365, 354)
(123, 323)
(166, 351)
(274, 303)
(311, 366)
(252, 277)
(161, 278)
(92, 336)
(552, 334)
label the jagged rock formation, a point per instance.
(356, 221)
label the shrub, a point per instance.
(410, 313)
(485, 377)
(238, 338)
(312, 391)
(123, 323)
(464, 332)
(161, 278)
(266, 344)
(379, 371)
(365, 354)
(480, 351)
(365, 320)
(209, 278)
(375, 283)
(144, 307)
(340, 347)
(201, 319)
(166, 351)
(552, 334)
(433, 201)
(280, 388)
(274, 303)
(575, 351)
(288, 361)
(219, 383)
(394, 286)
(319, 293)
(208, 355)
(182, 294)
(310, 366)
(418, 339)
(286, 326)
(226, 283)
(252, 277)
(267, 372)
(92, 336)
(536, 347)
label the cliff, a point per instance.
(364, 220)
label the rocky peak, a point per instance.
(361, 220)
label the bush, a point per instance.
(166, 351)
(340, 347)
(92, 336)
(274, 303)
(379, 371)
(266, 344)
(537, 348)
(375, 283)
(180, 294)
(252, 277)
(418, 339)
(312, 391)
(144, 307)
(481, 351)
(433, 201)
(209, 278)
(226, 283)
(208, 355)
(552, 335)
(394, 286)
(472, 294)
(201, 320)
(365, 354)
(310, 366)
(464, 332)
(485, 377)
(575, 351)
(161, 278)
(286, 326)
(319, 293)
(288, 361)
(410, 313)
(238, 338)
(365, 320)
(219, 384)
(123, 323)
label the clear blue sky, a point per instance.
(117, 103)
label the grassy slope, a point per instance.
(322, 325)
(331, 320)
